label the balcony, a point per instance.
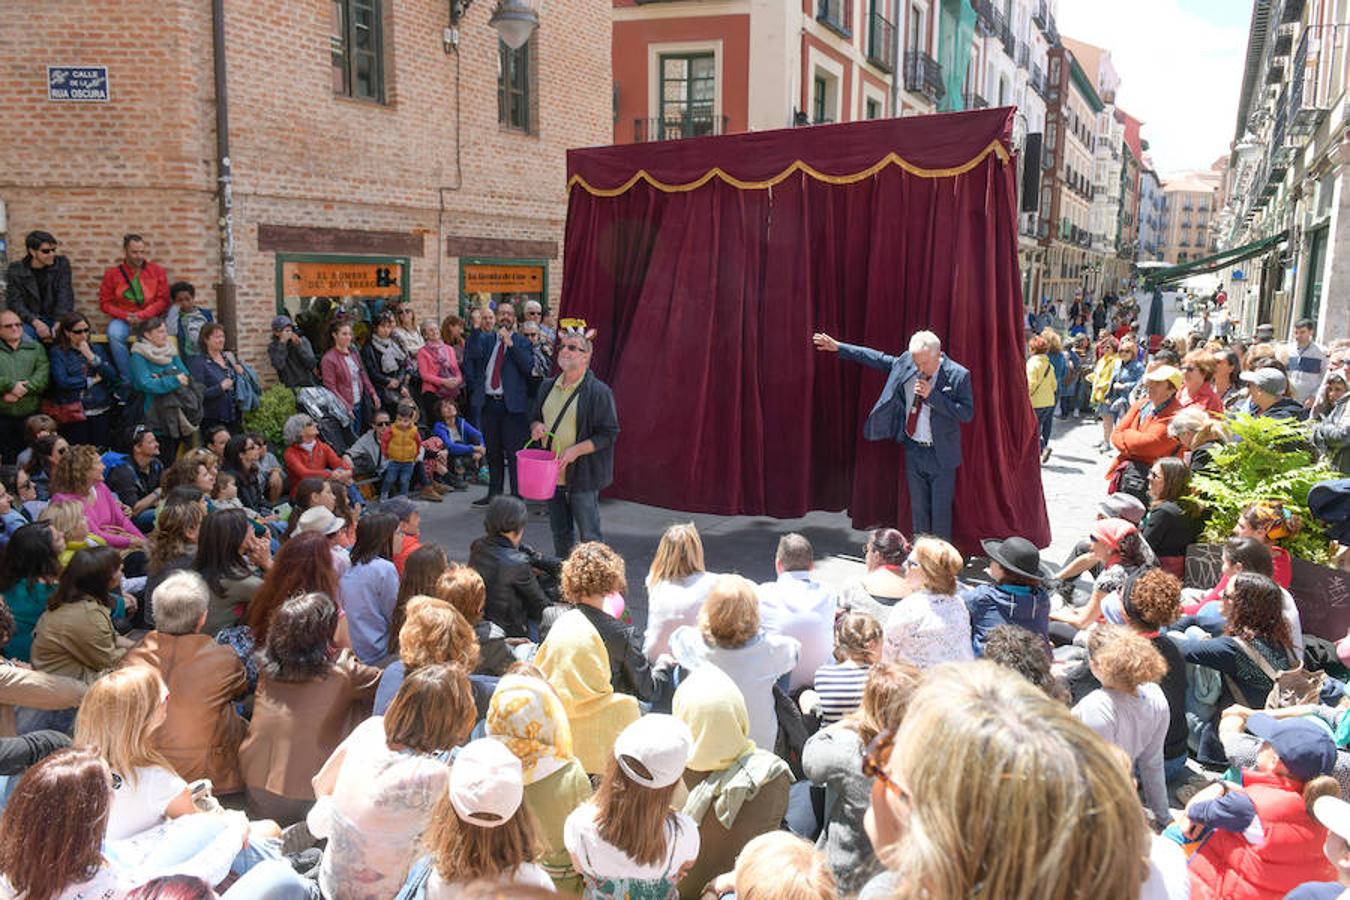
(1275, 74)
(923, 76)
(1292, 12)
(972, 100)
(1023, 57)
(881, 42)
(1005, 34)
(1038, 14)
(1051, 32)
(1284, 42)
(986, 17)
(691, 124)
(1037, 81)
(1312, 89)
(834, 15)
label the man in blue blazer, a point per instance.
(497, 369)
(926, 399)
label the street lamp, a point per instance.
(515, 20)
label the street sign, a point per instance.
(78, 84)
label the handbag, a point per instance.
(1289, 687)
(63, 413)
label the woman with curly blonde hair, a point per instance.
(463, 588)
(433, 632)
(991, 789)
(79, 476)
(593, 578)
(1129, 709)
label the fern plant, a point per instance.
(1269, 459)
(275, 406)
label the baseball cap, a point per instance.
(1112, 531)
(486, 784)
(280, 322)
(319, 520)
(654, 749)
(1165, 373)
(1305, 748)
(1272, 381)
(1334, 813)
(1123, 506)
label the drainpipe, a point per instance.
(898, 61)
(226, 290)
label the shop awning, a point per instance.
(1173, 274)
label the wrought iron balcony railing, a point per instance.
(881, 42)
(923, 75)
(672, 128)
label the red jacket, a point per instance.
(1145, 442)
(154, 283)
(317, 463)
(1206, 398)
(337, 377)
(1228, 867)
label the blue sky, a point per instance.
(1180, 66)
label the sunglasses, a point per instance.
(46, 251)
(84, 330)
(875, 758)
(382, 424)
(574, 348)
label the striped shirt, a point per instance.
(840, 686)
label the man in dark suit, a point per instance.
(497, 365)
(926, 399)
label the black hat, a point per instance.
(1019, 556)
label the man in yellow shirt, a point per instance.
(576, 410)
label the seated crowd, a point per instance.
(229, 672)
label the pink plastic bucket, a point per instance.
(537, 473)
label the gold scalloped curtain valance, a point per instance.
(948, 146)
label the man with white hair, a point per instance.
(926, 399)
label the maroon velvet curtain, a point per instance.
(705, 299)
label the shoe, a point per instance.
(1045, 454)
(440, 488)
(430, 494)
(482, 501)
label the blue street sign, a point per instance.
(78, 84)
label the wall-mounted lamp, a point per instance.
(515, 20)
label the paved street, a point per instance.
(1073, 480)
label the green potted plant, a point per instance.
(1269, 459)
(275, 406)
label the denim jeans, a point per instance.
(397, 475)
(1045, 419)
(568, 505)
(118, 332)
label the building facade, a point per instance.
(1190, 202)
(1289, 170)
(375, 151)
(1151, 215)
(1072, 267)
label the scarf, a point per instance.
(575, 662)
(529, 719)
(392, 356)
(412, 341)
(160, 356)
(712, 706)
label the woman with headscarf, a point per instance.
(527, 716)
(737, 791)
(574, 662)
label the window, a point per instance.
(358, 50)
(513, 86)
(914, 40)
(873, 108)
(820, 100)
(688, 93)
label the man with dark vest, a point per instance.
(926, 399)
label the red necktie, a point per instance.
(912, 422)
(496, 381)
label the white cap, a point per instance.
(320, 520)
(654, 750)
(486, 785)
(1334, 814)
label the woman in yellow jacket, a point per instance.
(1103, 380)
(1043, 385)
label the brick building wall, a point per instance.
(302, 155)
